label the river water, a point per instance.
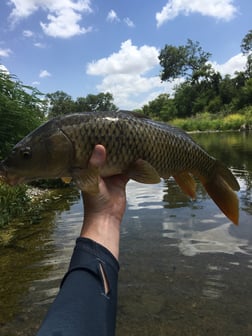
(185, 269)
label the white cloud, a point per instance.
(128, 22)
(4, 69)
(63, 18)
(129, 59)
(125, 75)
(112, 16)
(28, 33)
(39, 45)
(235, 63)
(133, 91)
(35, 83)
(64, 24)
(44, 74)
(5, 52)
(219, 9)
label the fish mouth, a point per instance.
(15, 180)
(2, 173)
(9, 178)
(12, 180)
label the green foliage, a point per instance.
(210, 122)
(13, 202)
(21, 110)
(99, 102)
(187, 61)
(246, 45)
(161, 108)
(203, 89)
(184, 97)
(60, 103)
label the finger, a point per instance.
(98, 156)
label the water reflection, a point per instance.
(27, 257)
(214, 283)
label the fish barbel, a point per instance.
(143, 149)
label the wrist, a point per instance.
(103, 229)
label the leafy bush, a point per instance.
(233, 121)
(209, 122)
(13, 202)
(20, 111)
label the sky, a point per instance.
(86, 47)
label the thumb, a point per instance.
(98, 156)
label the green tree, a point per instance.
(161, 108)
(21, 110)
(246, 44)
(246, 49)
(59, 103)
(245, 95)
(100, 102)
(227, 90)
(184, 99)
(188, 61)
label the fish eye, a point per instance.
(26, 153)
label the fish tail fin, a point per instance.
(221, 187)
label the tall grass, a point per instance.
(213, 122)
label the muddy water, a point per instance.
(185, 269)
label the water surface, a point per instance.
(185, 269)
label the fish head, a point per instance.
(44, 153)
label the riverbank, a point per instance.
(16, 201)
(216, 122)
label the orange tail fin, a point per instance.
(221, 188)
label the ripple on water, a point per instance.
(214, 284)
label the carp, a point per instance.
(143, 149)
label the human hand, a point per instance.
(103, 211)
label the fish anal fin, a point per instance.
(186, 183)
(87, 180)
(143, 172)
(220, 188)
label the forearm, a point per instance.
(84, 306)
(104, 229)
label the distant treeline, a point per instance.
(203, 88)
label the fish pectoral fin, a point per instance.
(87, 180)
(186, 183)
(66, 180)
(143, 172)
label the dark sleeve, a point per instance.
(82, 307)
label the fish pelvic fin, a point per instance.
(66, 180)
(143, 172)
(87, 180)
(186, 183)
(221, 187)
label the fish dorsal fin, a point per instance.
(135, 114)
(66, 180)
(186, 183)
(139, 115)
(143, 172)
